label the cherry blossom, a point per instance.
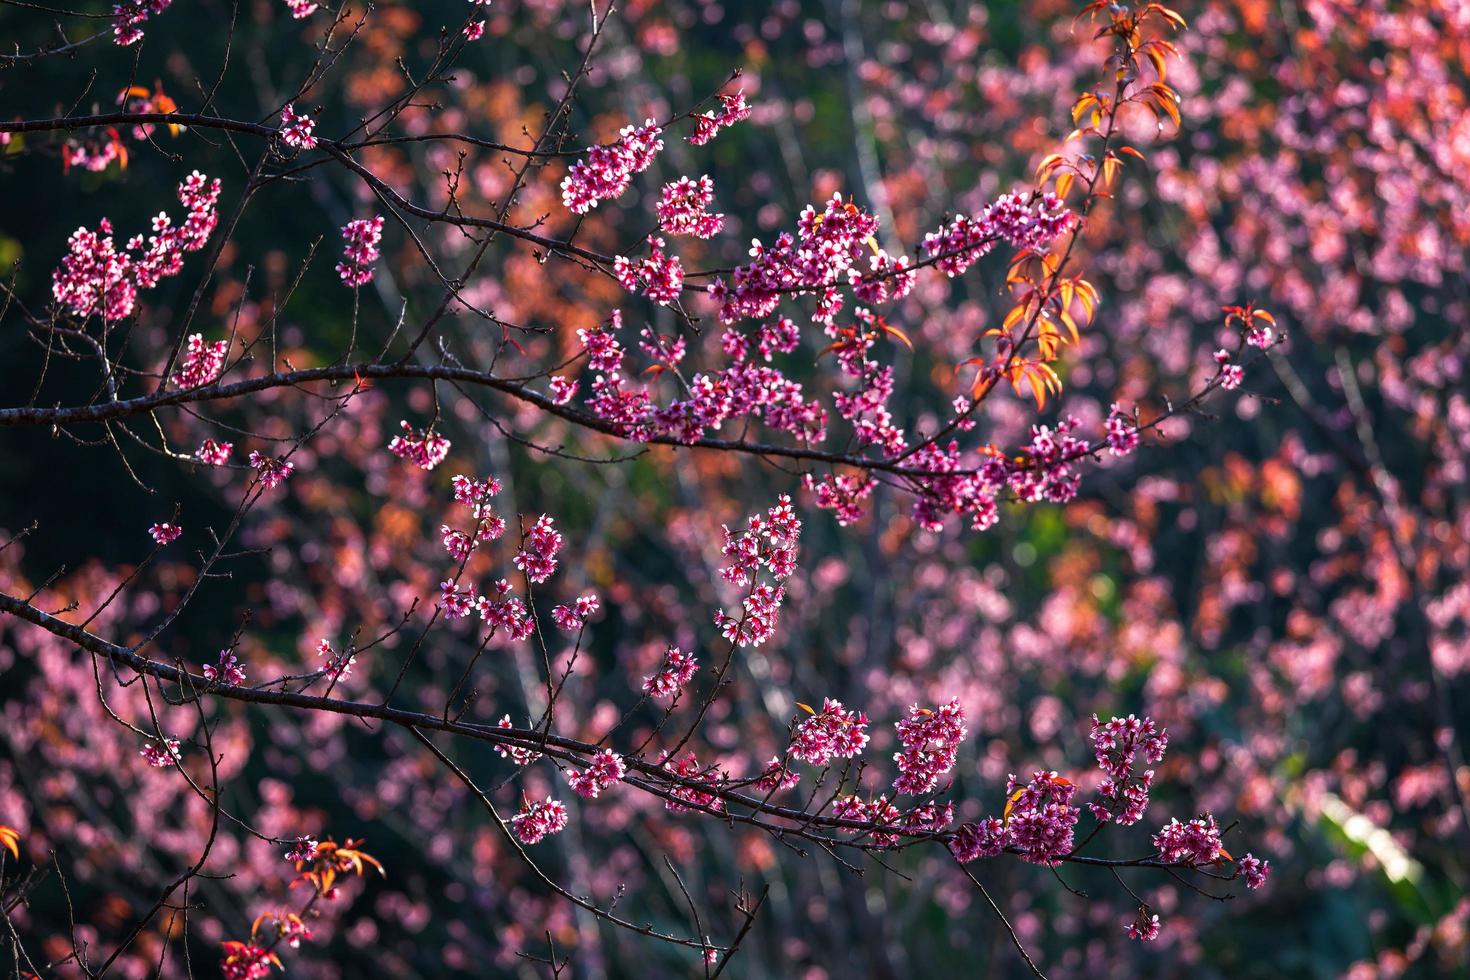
(539, 819)
(271, 469)
(164, 533)
(296, 129)
(605, 769)
(360, 240)
(426, 449)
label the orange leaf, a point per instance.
(10, 839)
(1011, 805)
(895, 332)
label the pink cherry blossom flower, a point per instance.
(1042, 819)
(98, 278)
(777, 776)
(683, 208)
(563, 389)
(214, 453)
(539, 819)
(456, 602)
(929, 739)
(229, 670)
(1122, 432)
(161, 755)
(677, 669)
(684, 796)
(832, 733)
(1145, 926)
(606, 171)
(605, 769)
(130, 15)
(1123, 793)
(1255, 870)
(245, 961)
(164, 533)
(360, 240)
(302, 850)
(1021, 221)
(520, 755)
(658, 276)
(424, 449)
(537, 557)
(988, 838)
(272, 470)
(201, 363)
(296, 129)
(571, 618)
(1194, 843)
(733, 109)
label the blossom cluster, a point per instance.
(741, 389)
(832, 733)
(876, 811)
(476, 495)
(685, 797)
(733, 109)
(929, 739)
(1121, 432)
(979, 840)
(503, 611)
(229, 670)
(683, 208)
(304, 849)
(214, 453)
(659, 276)
(1027, 222)
(607, 170)
(426, 449)
(202, 362)
(537, 556)
(1145, 926)
(819, 257)
(273, 471)
(164, 533)
(92, 153)
(96, 277)
(677, 669)
(161, 755)
(777, 776)
(337, 668)
(605, 769)
(1231, 375)
(1192, 843)
(768, 543)
(1255, 871)
(539, 819)
(571, 617)
(1123, 795)
(246, 961)
(296, 129)
(301, 9)
(360, 240)
(520, 755)
(498, 607)
(129, 16)
(1039, 823)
